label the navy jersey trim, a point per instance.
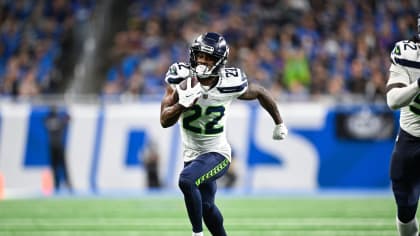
(175, 80)
(408, 63)
(233, 89)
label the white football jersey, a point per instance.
(405, 68)
(203, 125)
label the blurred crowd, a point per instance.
(33, 37)
(304, 48)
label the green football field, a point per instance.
(156, 215)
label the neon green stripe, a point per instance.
(212, 172)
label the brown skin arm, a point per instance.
(264, 97)
(170, 109)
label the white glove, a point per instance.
(188, 96)
(280, 132)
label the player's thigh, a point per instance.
(205, 168)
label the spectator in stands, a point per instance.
(337, 35)
(31, 35)
(28, 84)
(357, 80)
(336, 86)
(296, 68)
(376, 86)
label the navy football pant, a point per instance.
(197, 182)
(405, 175)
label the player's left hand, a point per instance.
(280, 132)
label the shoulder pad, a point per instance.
(177, 72)
(406, 53)
(233, 80)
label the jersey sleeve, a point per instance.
(234, 82)
(398, 74)
(403, 57)
(176, 73)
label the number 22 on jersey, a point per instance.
(204, 120)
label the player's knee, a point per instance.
(185, 184)
(207, 206)
(406, 213)
(209, 209)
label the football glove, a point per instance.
(188, 96)
(280, 132)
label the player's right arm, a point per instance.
(170, 109)
(401, 89)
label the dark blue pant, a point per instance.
(405, 175)
(197, 182)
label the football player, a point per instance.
(202, 107)
(403, 92)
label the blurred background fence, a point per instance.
(330, 146)
(103, 62)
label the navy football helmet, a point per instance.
(213, 44)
